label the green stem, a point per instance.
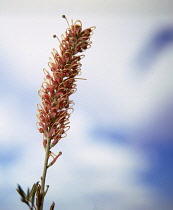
(43, 178)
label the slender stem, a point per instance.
(43, 178)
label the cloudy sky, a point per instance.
(118, 152)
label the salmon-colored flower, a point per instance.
(59, 84)
(54, 112)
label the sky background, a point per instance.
(118, 152)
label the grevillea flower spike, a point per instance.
(59, 83)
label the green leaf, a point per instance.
(27, 197)
(20, 191)
(32, 193)
(33, 190)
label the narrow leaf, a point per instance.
(32, 193)
(52, 206)
(21, 192)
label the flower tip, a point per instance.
(63, 16)
(54, 36)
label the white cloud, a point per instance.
(85, 169)
(110, 95)
(90, 169)
(111, 92)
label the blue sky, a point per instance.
(118, 152)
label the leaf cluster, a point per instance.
(29, 197)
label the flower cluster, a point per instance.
(59, 84)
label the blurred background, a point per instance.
(118, 153)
